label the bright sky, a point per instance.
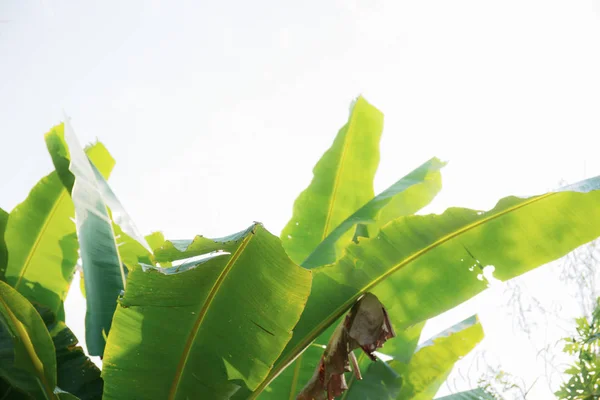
(216, 112)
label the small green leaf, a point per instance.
(155, 240)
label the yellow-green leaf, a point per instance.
(204, 329)
(342, 183)
(425, 265)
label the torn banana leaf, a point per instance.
(426, 264)
(204, 329)
(405, 197)
(103, 270)
(324, 243)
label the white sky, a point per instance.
(216, 112)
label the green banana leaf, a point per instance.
(403, 347)
(293, 378)
(27, 357)
(66, 396)
(405, 197)
(118, 213)
(342, 183)
(175, 250)
(155, 240)
(475, 394)
(381, 382)
(3, 251)
(41, 238)
(429, 368)
(423, 375)
(103, 270)
(205, 328)
(424, 265)
(131, 250)
(76, 373)
(7, 391)
(132, 246)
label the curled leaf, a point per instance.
(366, 326)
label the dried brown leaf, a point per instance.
(366, 326)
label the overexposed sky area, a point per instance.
(217, 111)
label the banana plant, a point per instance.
(248, 315)
(418, 266)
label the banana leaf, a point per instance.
(103, 270)
(342, 183)
(353, 210)
(422, 376)
(380, 382)
(203, 329)
(429, 368)
(27, 356)
(3, 251)
(40, 235)
(75, 372)
(7, 391)
(405, 197)
(155, 240)
(475, 394)
(118, 213)
(427, 264)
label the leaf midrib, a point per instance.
(295, 377)
(341, 309)
(39, 238)
(202, 314)
(339, 172)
